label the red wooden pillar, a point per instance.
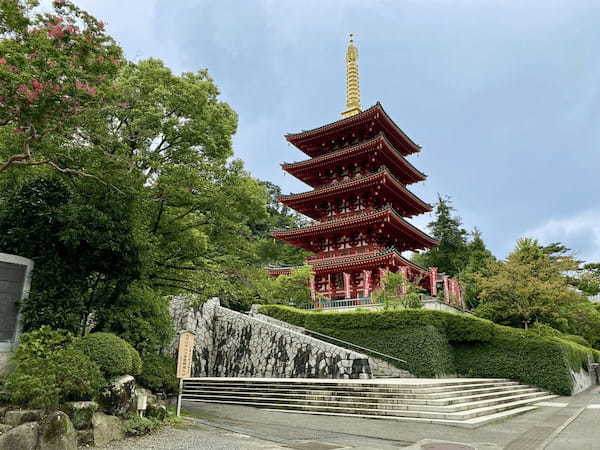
(446, 290)
(329, 286)
(313, 295)
(346, 285)
(433, 281)
(366, 282)
(404, 287)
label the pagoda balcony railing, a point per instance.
(344, 252)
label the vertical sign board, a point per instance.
(184, 361)
(184, 356)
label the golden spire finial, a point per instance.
(352, 87)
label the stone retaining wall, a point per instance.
(379, 367)
(232, 344)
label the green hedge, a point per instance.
(113, 355)
(436, 343)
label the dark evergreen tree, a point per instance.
(451, 256)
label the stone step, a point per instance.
(361, 403)
(469, 423)
(453, 416)
(386, 388)
(359, 392)
(365, 396)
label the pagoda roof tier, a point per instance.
(309, 170)
(389, 256)
(383, 181)
(402, 233)
(370, 121)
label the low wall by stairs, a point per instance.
(231, 344)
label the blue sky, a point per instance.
(503, 96)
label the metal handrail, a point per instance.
(368, 350)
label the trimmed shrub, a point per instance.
(577, 339)
(136, 360)
(436, 343)
(66, 375)
(545, 330)
(113, 355)
(159, 374)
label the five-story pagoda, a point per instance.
(359, 201)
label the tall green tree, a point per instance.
(56, 69)
(450, 257)
(479, 260)
(528, 287)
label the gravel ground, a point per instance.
(192, 436)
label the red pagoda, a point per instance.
(358, 173)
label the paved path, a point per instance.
(573, 423)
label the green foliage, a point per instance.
(55, 69)
(82, 245)
(140, 426)
(545, 330)
(398, 292)
(292, 289)
(450, 257)
(528, 287)
(518, 355)
(41, 343)
(437, 343)
(113, 355)
(577, 339)
(48, 369)
(159, 374)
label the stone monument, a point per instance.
(15, 281)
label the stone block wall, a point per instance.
(231, 344)
(380, 368)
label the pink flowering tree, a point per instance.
(56, 69)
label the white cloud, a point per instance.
(580, 232)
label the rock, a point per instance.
(85, 438)
(57, 432)
(23, 437)
(3, 410)
(19, 416)
(156, 411)
(119, 396)
(80, 413)
(106, 429)
(4, 428)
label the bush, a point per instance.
(577, 339)
(543, 329)
(136, 360)
(42, 343)
(44, 382)
(113, 355)
(437, 343)
(159, 374)
(140, 426)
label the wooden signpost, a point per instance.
(184, 361)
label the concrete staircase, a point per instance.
(468, 402)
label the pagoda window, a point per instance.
(328, 245)
(344, 242)
(345, 206)
(359, 203)
(337, 280)
(330, 210)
